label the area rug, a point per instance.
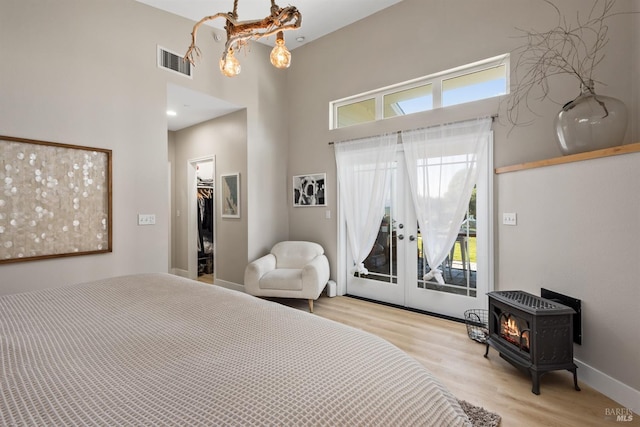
(480, 417)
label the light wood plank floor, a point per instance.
(445, 349)
(206, 278)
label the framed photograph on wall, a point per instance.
(56, 200)
(310, 190)
(230, 195)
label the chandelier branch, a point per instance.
(240, 32)
(194, 51)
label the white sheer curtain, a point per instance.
(442, 167)
(363, 168)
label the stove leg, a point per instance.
(535, 379)
(575, 378)
(486, 352)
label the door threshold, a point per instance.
(414, 310)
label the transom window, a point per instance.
(471, 82)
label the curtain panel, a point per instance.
(442, 163)
(363, 169)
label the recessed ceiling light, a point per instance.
(300, 39)
(171, 113)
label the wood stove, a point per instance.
(532, 333)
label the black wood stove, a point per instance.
(532, 333)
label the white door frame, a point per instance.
(192, 229)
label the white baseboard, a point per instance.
(229, 285)
(180, 272)
(223, 283)
(623, 394)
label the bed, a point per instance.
(157, 349)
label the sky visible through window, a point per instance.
(483, 90)
(460, 95)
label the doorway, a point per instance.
(201, 222)
(396, 264)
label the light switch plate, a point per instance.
(146, 219)
(509, 218)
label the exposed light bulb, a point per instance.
(229, 65)
(280, 55)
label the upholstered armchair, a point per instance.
(291, 270)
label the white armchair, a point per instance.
(291, 270)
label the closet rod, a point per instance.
(493, 119)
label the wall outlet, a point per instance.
(509, 218)
(146, 219)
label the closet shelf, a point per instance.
(606, 152)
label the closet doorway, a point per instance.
(202, 247)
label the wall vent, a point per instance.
(173, 62)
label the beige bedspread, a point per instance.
(156, 349)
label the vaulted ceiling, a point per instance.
(319, 17)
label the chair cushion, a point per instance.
(292, 254)
(289, 279)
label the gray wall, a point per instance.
(578, 234)
(84, 72)
(253, 142)
(635, 83)
(226, 139)
(90, 81)
(419, 38)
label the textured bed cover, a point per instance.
(156, 349)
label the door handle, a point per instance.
(412, 238)
(400, 236)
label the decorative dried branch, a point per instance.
(573, 49)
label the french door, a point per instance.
(386, 262)
(397, 264)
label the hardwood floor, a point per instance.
(444, 348)
(206, 278)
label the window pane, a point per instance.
(408, 101)
(460, 267)
(474, 86)
(356, 113)
(472, 82)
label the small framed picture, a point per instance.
(230, 195)
(310, 190)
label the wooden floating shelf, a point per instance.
(606, 152)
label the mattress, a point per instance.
(156, 349)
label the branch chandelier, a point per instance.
(239, 33)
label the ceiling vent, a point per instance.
(173, 62)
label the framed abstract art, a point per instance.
(55, 200)
(230, 195)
